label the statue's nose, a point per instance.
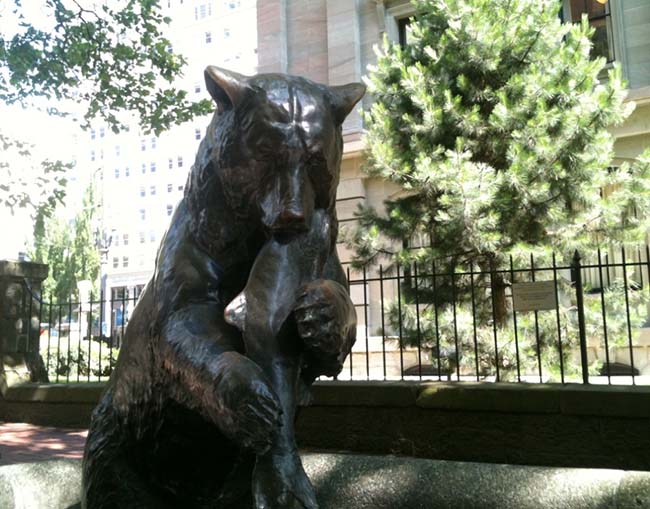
(291, 219)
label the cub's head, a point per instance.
(273, 149)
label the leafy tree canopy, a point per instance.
(110, 56)
(17, 189)
(493, 118)
(68, 248)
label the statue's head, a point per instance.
(274, 145)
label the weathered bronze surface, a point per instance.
(247, 306)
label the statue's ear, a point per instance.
(344, 97)
(227, 88)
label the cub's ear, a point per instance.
(227, 88)
(344, 97)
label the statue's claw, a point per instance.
(280, 482)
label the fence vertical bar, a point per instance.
(604, 313)
(609, 281)
(582, 333)
(494, 317)
(399, 323)
(383, 322)
(351, 352)
(435, 315)
(102, 296)
(514, 322)
(58, 345)
(453, 302)
(536, 315)
(80, 339)
(119, 343)
(365, 321)
(40, 319)
(90, 333)
(49, 336)
(627, 312)
(471, 282)
(417, 319)
(557, 319)
(67, 373)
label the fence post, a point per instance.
(20, 359)
(582, 329)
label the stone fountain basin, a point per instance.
(352, 481)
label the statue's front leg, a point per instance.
(209, 375)
(326, 321)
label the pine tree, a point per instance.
(493, 119)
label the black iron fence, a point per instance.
(536, 319)
(78, 341)
(585, 320)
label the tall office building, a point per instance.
(141, 177)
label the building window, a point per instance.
(93, 134)
(203, 11)
(143, 144)
(180, 188)
(142, 238)
(102, 132)
(197, 134)
(180, 161)
(600, 18)
(152, 236)
(116, 240)
(152, 167)
(117, 173)
(171, 163)
(142, 191)
(169, 188)
(208, 39)
(116, 262)
(117, 150)
(92, 155)
(404, 31)
(144, 168)
(152, 190)
(169, 210)
(226, 33)
(153, 142)
(125, 239)
(127, 172)
(119, 293)
(125, 261)
(197, 88)
(142, 214)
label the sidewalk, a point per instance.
(22, 443)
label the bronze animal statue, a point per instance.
(248, 304)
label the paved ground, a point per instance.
(21, 443)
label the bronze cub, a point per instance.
(187, 411)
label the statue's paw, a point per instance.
(321, 320)
(280, 482)
(250, 411)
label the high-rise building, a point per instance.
(142, 176)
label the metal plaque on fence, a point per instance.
(534, 296)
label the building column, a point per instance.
(344, 51)
(20, 313)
